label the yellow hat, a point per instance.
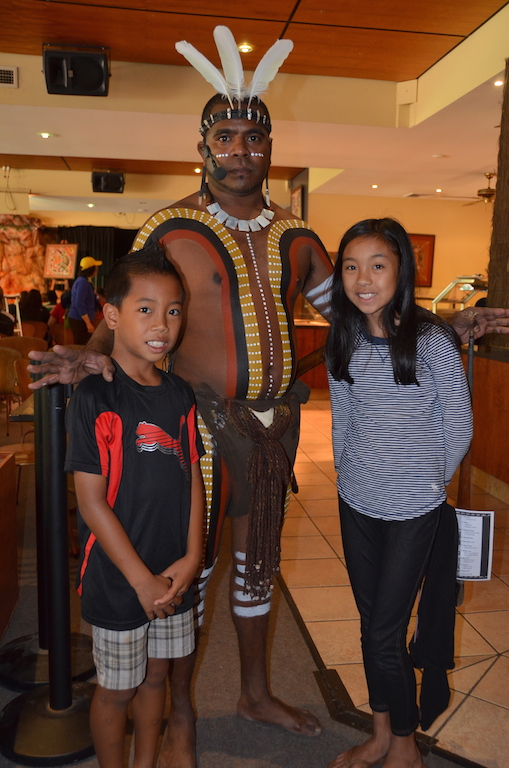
(88, 261)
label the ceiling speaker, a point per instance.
(76, 73)
(107, 181)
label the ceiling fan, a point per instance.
(486, 195)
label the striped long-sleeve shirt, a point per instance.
(396, 447)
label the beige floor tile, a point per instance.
(305, 548)
(326, 490)
(467, 673)
(500, 539)
(329, 526)
(295, 509)
(456, 700)
(325, 603)
(493, 686)
(494, 627)
(338, 642)
(468, 641)
(321, 507)
(500, 565)
(299, 526)
(314, 477)
(314, 573)
(478, 731)
(319, 456)
(485, 596)
(353, 678)
(336, 543)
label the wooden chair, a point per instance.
(23, 344)
(23, 376)
(40, 329)
(28, 329)
(8, 389)
(24, 456)
(61, 335)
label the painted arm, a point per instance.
(69, 366)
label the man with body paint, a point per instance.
(243, 261)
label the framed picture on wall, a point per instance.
(424, 249)
(60, 260)
(297, 202)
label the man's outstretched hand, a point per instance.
(480, 320)
(69, 366)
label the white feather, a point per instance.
(205, 67)
(231, 61)
(268, 67)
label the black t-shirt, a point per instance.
(144, 440)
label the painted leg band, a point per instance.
(245, 605)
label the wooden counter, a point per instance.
(309, 338)
(9, 589)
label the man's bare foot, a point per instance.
(403, 753)
(273, 711)
(178, 748)
(364, 755)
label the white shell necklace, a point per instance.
(243, 225)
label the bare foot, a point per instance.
(403, 753)
(273, 711)
(364, 755)
(178, 748)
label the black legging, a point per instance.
(386, 562)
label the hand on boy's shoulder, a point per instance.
(69, 366)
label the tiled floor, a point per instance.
(476, 725)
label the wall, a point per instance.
(462, 233)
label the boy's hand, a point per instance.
(182, 573)
(158, 597)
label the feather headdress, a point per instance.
(231, 84)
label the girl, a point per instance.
(401, 425)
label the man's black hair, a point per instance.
(150, 260)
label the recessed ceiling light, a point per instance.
(91, 205)
(438, 156)
(245, 47)
(374, 186)
(438, 189)
(498, 83)
(45, 135)
(197, 170)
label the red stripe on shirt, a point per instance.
(108, 435)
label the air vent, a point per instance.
(8, 77)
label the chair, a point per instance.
(23, 376)
(28, 329)
(40, 329)
(24, 456)
(8, 389)
(61, 335)
(23, 344)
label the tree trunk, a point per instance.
(498, 292)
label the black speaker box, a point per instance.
(76, 73)
(107, 181)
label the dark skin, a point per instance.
(202, 358)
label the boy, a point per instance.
(134, 450)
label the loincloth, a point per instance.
(258, 462)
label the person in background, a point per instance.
(84, 304)
(31, 307)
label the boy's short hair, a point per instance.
(150, 260)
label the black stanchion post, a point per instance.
(40, 430)
(58, 556)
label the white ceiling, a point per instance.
(399, 160)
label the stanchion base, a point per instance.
(33, 734)
(23, 665)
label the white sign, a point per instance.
(475, 552)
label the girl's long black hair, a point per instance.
(402, 319)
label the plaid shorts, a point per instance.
(121, 656)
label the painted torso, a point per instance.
(239, 334)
